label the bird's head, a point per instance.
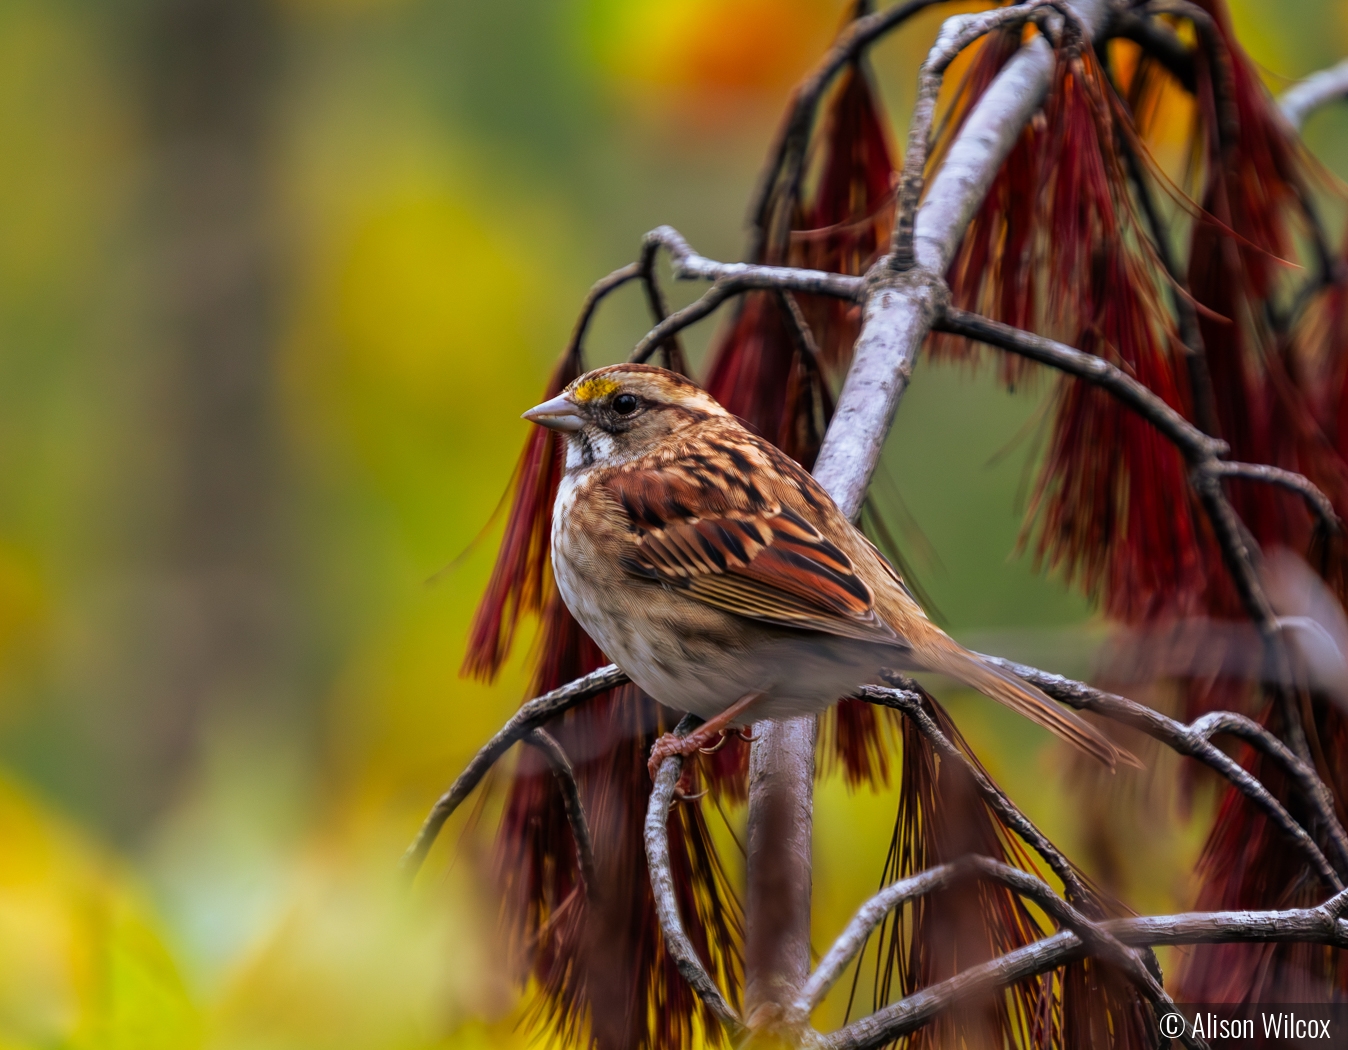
(617, 413)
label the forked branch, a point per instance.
(1319, 925)
(1095, 937)
(531, 715)
(913, 705)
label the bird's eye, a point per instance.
(625, 404)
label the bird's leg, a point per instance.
(706, 733)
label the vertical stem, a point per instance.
(781, 811)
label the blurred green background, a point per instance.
(276, 280)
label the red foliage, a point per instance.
(941, 818)
(518, 581)
(1275, 395)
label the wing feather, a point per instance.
(708, 531)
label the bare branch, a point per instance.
(1312, 787)
(779, 869)
(1095, 938)
(681, 319)
(800, 329)
(655, 299)
(571, 802)
(689, 265)
(1328, 85)
(729, 279)
(1202, 452)
(1194, 445)
(530, 716)
(911, 703)
(1193, 741)
(853, 938)
(1316, 500)
(656, 835)
(1320, 925)
(597, 293)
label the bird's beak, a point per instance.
(557, 414)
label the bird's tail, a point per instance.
(943, 655)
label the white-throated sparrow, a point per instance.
(718, 574)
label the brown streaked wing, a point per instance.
(734, 549)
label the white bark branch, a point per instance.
(656, 837)
(1298, 101)
(900, 308)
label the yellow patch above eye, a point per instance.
(594, 389)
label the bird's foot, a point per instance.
(710, 736)
(670, 745)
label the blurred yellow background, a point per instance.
(276, 279)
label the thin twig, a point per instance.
(1194, 742)
(689, 265)
(1300, 100)
(913, 705)
(699, 308)
(1316, 500)
(530, 716)
(729, 279)
(599, 291)
(571, 802)
(1312, 787)
(672, 348)
(1201, 450)
(656, 836)
(1194, 445)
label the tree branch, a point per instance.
(656, 836)
(1300, 100)
(1316, 500)
(912, 703)
(672, 348)
(729, 279)
(1320, 925)
(1203, 453)
(689, 265)
(530, 716)
(1192, 740)
(1094, 937)
(571, 802)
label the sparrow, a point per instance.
(723, 580)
